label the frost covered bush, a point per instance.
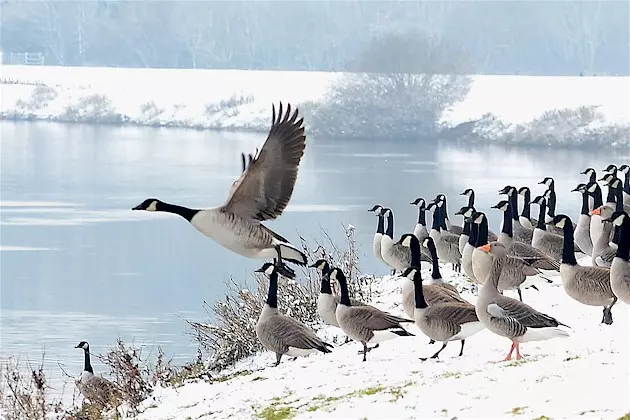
(228, 107)
(95, 108)
(39, 99)
(232, 334)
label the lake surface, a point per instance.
(78, 264)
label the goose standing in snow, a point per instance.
(509, 317)
(466, 212)
(97, 390)
(603, 252)
(582, 231)
(261, 193)
(469, 247)
(378, 235)
(596, 227)
(625, 170)
(447, 243)
(420, 230)
(365, 324)
(454, 229)
(615, 193)
(395, 255)
(620, 267)
(550, 195)
(525, 218)
(520, 232)
(443, 322)
(588, 285)
(548, 243)
(279, 333)
(520, 249)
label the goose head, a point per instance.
(336, 274)
(607, 179)
(428, 242)
(523, 191)
(468, 192)
(377, 209)
(580, 188)
(624, 169)
(618, 218)
(386, 212)
(477, 217)
(540, 200)
(150, 204)
(547, 193)
(548, 181)
(502, 205)
(321, 265)
(413, 274)
(408, 240)
(611, 169)
(591, 187)
(267, 268)
(431, 205)
(465, 211)
(508, 189)
(83, 345)
(588, 172)
(561, 220)
(494, 248)
(440, 200)
(420, 202)
(615, 184)
(605, 212)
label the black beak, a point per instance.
(575, 189)
(260, 270)
(584, 172)
(463, 193)
(314, 265)
(503, 191)
(137, 207)
(541, 183)
(77, 346)
(496, 206)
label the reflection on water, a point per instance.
(88, 268)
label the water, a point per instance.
(78, 264)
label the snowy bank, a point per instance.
(240, 99)
(583, 376)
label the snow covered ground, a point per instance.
(583, 376)
(182, 97)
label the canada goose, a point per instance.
(443, 322)
(591, 173)
(395, 255)
(596, 227)
(435, 292)
(509, 317)
(465, 211)
(526, 218)
(550, 194)
(469, 247)
(603, 252)
(515, 270)
(548, 243)
(520, 249)
(420, 230)
(587, 285)
(582, 232)
(378, 235)
(620, 267)
(279, 333)
(454, 229)
(447, 243)
(436, 277)
(365, 324)
(261, 193)
(625, 170)
(470, 193)
(520, 232)
(615, 193)
(611, 169)
(96, 389)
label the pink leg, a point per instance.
(509, 356)
(518, 351)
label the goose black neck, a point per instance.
(390, 225)
(474, 233)
(421, 216)
(585, 209)
(435, 264)
(436, 219)
(618, 199)
(185, 212)
(568, 249)
(527, 204)
(541, 215)
(610, 197)
(343, 289)
(551, 204)
(514, 204)
(507, 222)
(87, 366)
(443, 217)
(482, 235)
(593, 178)
(471, 199)
(419, 294)
(272, 297)
(326, 283)
(466, 230)
(626, 183)
(623, 246)
(380, 227)
(414, 247)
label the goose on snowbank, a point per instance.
(97, 390)
(261, 193)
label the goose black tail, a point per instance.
(402, 332)
(324, 348)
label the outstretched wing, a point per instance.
(264, 189)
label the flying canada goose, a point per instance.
(548, 243)
(395, 255)
(515, 270)
(520, 249)
(97, 390)
(454, 229)
(603, 252)
(526, 218)
(587, 285)
(443, 322)
(625, 170)
(520, 232)
(261, 193)
(509, 317)
(378, 235)
(279, 333)
(470, 193)
(582, 232)
(620, 268)
(365, 324)
(447, 243)
(465, 211)
(596, 227)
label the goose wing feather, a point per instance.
(101, 391)
(456, 313)
(291, 333)
(374, 319)
(524, 314)
(542, 261)
(594, 280)
(264, 189)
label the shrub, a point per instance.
(40, 97)
(150, 111)
(228, 107)
(95, 108)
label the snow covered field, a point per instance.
(183, 97)
(583, 376)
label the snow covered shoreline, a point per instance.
(240, 100)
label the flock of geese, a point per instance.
(519, 256)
